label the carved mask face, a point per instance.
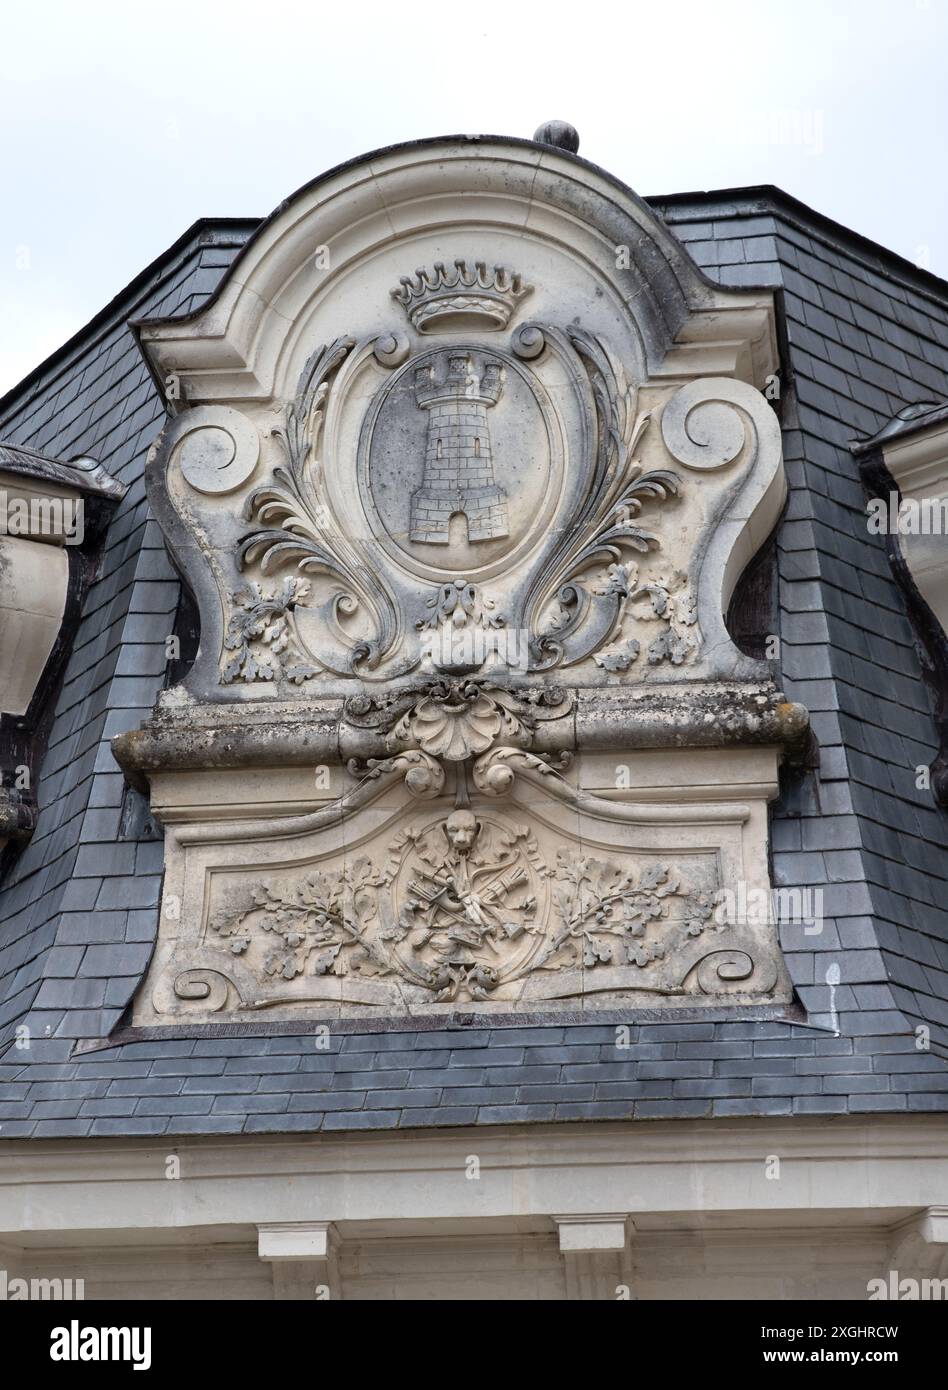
(461, 829)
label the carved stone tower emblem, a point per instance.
(459, 470)
(460, 449)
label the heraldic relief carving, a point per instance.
(465, 727)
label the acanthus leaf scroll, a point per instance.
(586, 614)
(295, 524)
(593, 580)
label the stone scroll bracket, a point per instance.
(715, 424)
(918, 1247)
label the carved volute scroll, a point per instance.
(462, 509)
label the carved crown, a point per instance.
(443, 301)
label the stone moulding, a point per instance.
(228, 349)
(184, 736)
(53, 516)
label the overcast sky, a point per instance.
(122, 122)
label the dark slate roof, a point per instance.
(867, 334)
(77, 912)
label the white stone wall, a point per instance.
(663, 1264)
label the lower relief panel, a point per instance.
(550, 896)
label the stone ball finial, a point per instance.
(559, 133)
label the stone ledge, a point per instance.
(191, 736)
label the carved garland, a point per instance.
(468, 905)
(455, 912)
(588, 612)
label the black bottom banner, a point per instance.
(165, 1338)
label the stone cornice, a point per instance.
(905, 468)
(226, 350)
(185, 736)
(886, 1166)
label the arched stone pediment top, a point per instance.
(465, 406)
(572, 231)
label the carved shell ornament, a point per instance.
(455, 721)
(456, 725)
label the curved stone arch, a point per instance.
(241, 345)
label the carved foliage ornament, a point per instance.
(466, 904)
(601, 588)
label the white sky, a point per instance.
(123, 122)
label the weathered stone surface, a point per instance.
(447, 558)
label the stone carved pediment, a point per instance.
(465, 449)
(588, 475)
(547, 522)
(429, 906)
